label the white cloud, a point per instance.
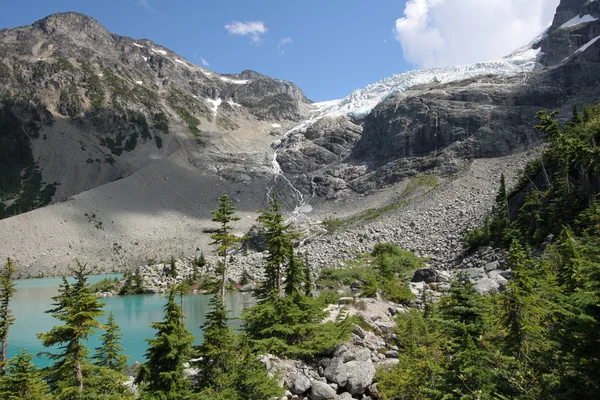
(252, 29)
(146, 5)
(204, 62)
(282, 43)
(436, 33)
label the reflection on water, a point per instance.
(133, 313)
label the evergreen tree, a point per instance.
(109, 354)
(222, 236)
(173, 268)
(218, 350)
(79, 311)
(422, 359)
(199, 262)
(576, 331)
(279, 244)
(161, 377)
(520, 309)
(138, 282)
(501, 197)
(252, 379)
(291, 326)
(133, 283)
(307, 276)
(23, 380)
(295, 274)
(7, 292)
(470, 374)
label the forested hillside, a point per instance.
(539, 338)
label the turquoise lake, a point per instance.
(133, 313)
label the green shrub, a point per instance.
(390, 259)
(327, 297)
(160, 122)
(105, 285)
(158, 141)
(397, 291)
(333, 277)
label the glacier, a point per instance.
(361, 101)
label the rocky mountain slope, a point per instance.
(135, 144)
(114, 105)
(439, 119)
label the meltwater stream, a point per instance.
(133, 313)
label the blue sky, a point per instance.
(327, 47)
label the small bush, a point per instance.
(397, 291)
(328, 297)
(390, 259)
(105, 285)
(160, 122)
(333, 277)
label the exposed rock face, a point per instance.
(436, 126)
(568, 31)
(476, 119)
(325, 142)
(130, 102)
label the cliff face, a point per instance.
(575, 23)
(491, 116)
(441, 124)
(480, 119)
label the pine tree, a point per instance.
(501, 197)
(252, 379)
(279, 243)
(7, 292)
(161, 377)
(295, 275)
(291, 326)
(23, 380)
(79, 310)
(109, 354)
(199, 262)
(222, 236)
(138, 281)
(520, 308)
(173, 268)
(218, 351)
(470, 373)
(421, 359)
(307, 276)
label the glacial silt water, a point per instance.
(134, 314)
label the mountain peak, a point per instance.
(69, 23)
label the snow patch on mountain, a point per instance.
(577, 20)
(234, 81)
(214, 104)
(587, 45)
